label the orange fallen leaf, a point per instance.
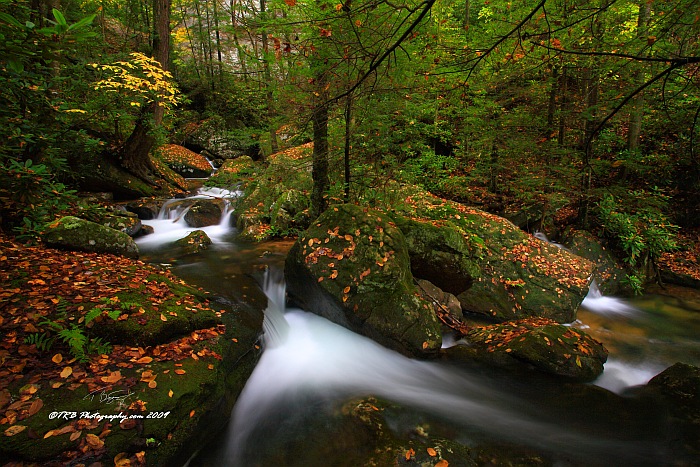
(192, 413)
(76, 435)
(58, 358)
(152, 384)
(35, 407)
(442, 463)
(180, 371)
(94, 441)
(144, 360)
(431, 452)
(346, 289)
(162, 317)
(113, 377)
(14, 429)
(67, 371)
(334, 274)
(410, 453)
(127, 424)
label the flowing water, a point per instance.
(292, 405)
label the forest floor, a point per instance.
(39, 285)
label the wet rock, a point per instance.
(352, 267)
(547, 346)
(520, 276)
(609, 271)
(144, 209)
(441, 300)
(194, 242)
(439, 253)
(204, 212)
(72, 233)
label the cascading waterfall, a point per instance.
(310, 362)
(170, 224)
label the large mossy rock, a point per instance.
(185, 162)
(521, 276)
(72, 233)
(352, 267)
(678, 388)
(194, 242)
(275, 193)
(290, 211)
(177, 364)
(439, 253)
(204, 212)
(547, 346)
(609, 271)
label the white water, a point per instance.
(170, 224)
(598, 303)
(308, 358)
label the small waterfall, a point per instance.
(275, 326)
(170, 223)
(596, 302)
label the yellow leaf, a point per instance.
(170, 393)
(578, 361)
(67, 371)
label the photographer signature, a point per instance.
(109, 397)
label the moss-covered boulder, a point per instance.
(166, 387)
(290, 211)
(547, 346)
(194, 242)
(609, 271)
(72, 233)
(678, 389)
(520, 275)
(185, 162)
(204, 212)
(352, 267)
(439, 253)
(275, 195)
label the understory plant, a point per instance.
(637, 225)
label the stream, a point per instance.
(291, 411)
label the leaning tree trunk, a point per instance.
(135, 154)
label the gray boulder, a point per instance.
(72, 233)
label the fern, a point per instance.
(42, 341)
(98, 346)
(76, 340)
(92, 314)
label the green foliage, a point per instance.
(76, 336)
(638, 226)
(30, 197)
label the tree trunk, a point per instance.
(552, 107)
(637, 112)
(319, 170)
(346, 151)
(562, 110)
(268, 82)
(135, 154)
(592, 91)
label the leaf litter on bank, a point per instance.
(41, 285)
